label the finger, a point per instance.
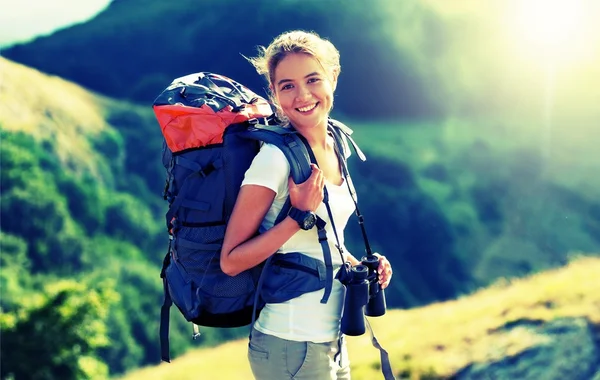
(318, 179)
(383, 264)
(321, 181)
(316, 171)
(384, 271)
(384, 280)
(314, 175)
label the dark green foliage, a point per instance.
(40, 214)
(23, 159)
(487, 198)
(57, 223)
(59, 332)
(128, 218)
(86, 201)
(141, 133)
(15, 278)
(410, 229)
(592, 222)
(110, 144)
(134, 319)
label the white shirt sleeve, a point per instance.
(270, 169)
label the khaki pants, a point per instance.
(273, 358)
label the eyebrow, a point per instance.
(289, 80)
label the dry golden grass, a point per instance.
(28, 97)
(54, 110)
(436, 340)
(444, 337)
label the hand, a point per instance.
(308, 195)
(384, 271)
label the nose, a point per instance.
(303, 93)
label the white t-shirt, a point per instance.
(303, 318)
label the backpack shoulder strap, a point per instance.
(345, 131)
(288, 142)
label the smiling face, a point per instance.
(304, 90)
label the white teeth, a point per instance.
(307, 108)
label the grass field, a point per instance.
(433, 341)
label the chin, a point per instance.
(312, 122)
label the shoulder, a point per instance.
(269, 168)
(272, 159)
(273, 155)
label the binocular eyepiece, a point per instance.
(364, 296)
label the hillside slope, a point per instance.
(80, 202)
(546, 326)
(52, 109)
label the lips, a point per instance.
(307, 108)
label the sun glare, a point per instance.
(550, 23)
(560, 30)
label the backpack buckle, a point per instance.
(195, 331)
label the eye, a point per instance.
(286, 87)
(313, 80)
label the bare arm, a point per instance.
(241, 249)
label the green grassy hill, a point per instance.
(440, 340)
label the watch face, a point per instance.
(309, 221)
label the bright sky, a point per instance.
(21, 20)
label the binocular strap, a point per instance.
(386, 367)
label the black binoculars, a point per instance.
(364, 296)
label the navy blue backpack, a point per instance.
(213, 128)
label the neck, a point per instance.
(315, 136)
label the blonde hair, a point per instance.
(296, 41)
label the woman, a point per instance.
(299, 338)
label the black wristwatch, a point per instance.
(305, 219)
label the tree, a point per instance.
(55, 337)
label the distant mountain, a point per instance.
(135, 48)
